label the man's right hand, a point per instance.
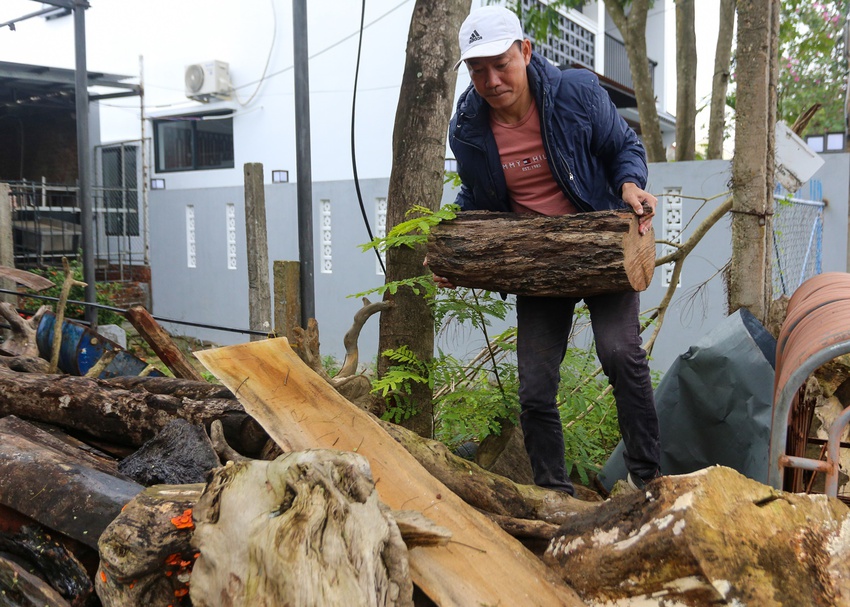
(443, 283)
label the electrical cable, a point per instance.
(353, 154)
(123, 311)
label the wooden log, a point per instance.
(25, 364)
(51, 560)
(119, 416)
(306, 529)
(146, 557)
(173, 386)
(23, 339)
(179, 455)
(568, 256)
(19, 588)
(480, 565)
(58, 491)
(161, 343)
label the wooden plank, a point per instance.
(480, 565)
(161, 342)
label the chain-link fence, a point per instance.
(797, 238)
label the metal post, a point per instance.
(302, 153)
(83, 159)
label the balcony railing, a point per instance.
(617, 63)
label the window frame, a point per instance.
(193, 120)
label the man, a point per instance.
(530, 138)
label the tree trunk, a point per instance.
(750, 280)
(633, 30)
(569, 256)
(720, 82)
(686, 80)
(115, 415)
(306, 529)
(419, 143)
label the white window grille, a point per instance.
(231, 236)
(671, 230)
(327, 242)
(380, 231)
(191, 258)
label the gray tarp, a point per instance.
(714, 404)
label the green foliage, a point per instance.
(410, 233)
(331, 365)
(106, 292)
(812, 68)
(396, 384)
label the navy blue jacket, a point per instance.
(591, 149)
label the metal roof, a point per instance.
(24, 85)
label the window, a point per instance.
(120, 189)
(194, 143)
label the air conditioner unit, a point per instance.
(207, 80)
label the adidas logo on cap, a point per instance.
(474, 37)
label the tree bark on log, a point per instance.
(311, 517)
(120, 416)
(59, 491)
(159, 339)
(146, 554)
(20, 588)
(568, 256)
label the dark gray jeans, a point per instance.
(543, 329)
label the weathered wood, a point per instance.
(51, 560)
(569, 256)
(22, 342)
(306, 529)
(119, 416)
(173, 386)
(7, 245)
(287, 297)
(146, 555)
(19, 588)
(180, 454)
(161, 343)
(256, 239)
(52, 437)
(67, 284)
(58, 491)
(708, 538)
(300, 410)
(28, 279)
(25, 364)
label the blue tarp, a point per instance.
(714, 404)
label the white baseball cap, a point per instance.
(488, 32)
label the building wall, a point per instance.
(213, 294)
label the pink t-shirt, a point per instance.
(531, 185)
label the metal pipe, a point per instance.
(833, 451)
(83, 157)
(303, 159)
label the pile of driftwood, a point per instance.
(275, 489)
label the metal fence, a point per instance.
(46, 217)
(797, 237)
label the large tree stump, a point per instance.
(708, 538)
(303, 530)
(568, 256)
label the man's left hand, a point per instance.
(635, 197)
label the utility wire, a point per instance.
(123, 311)
(353, 154)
